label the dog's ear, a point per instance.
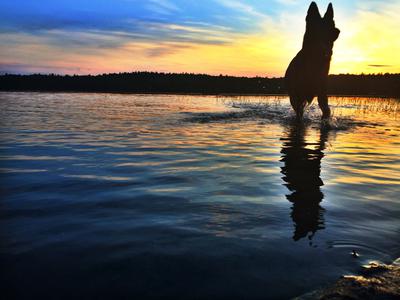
(313, 12)
(329, 12)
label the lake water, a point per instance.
(151, 196)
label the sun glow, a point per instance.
(366, 47)
(368, 43)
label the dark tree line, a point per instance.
(371, 85)
(151, 82)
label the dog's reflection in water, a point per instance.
(301, 170)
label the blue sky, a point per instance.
(67, 36)
(135, 17)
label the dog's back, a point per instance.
(307, 74)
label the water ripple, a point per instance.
(149, 193)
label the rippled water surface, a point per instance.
(148, 196)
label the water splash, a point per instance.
(270, 110)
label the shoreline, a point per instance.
(375, 281)
(190, 94)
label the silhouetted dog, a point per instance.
(307, 74)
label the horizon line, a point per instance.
(178, 73)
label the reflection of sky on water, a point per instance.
(216, 185)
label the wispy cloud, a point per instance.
(287, 2)
(163, 7)
(242, 7)
(26, 68)
(90, 39)
(380, 66)
(166, 49)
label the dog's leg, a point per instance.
(293, 102)
(301, 104)
(323, 104)
(298, 106)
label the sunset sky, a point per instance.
(234, 37)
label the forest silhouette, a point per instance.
(187, 83)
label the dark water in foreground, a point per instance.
(145, 196)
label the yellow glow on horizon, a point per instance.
(369, 44)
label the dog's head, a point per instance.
(320, 32)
